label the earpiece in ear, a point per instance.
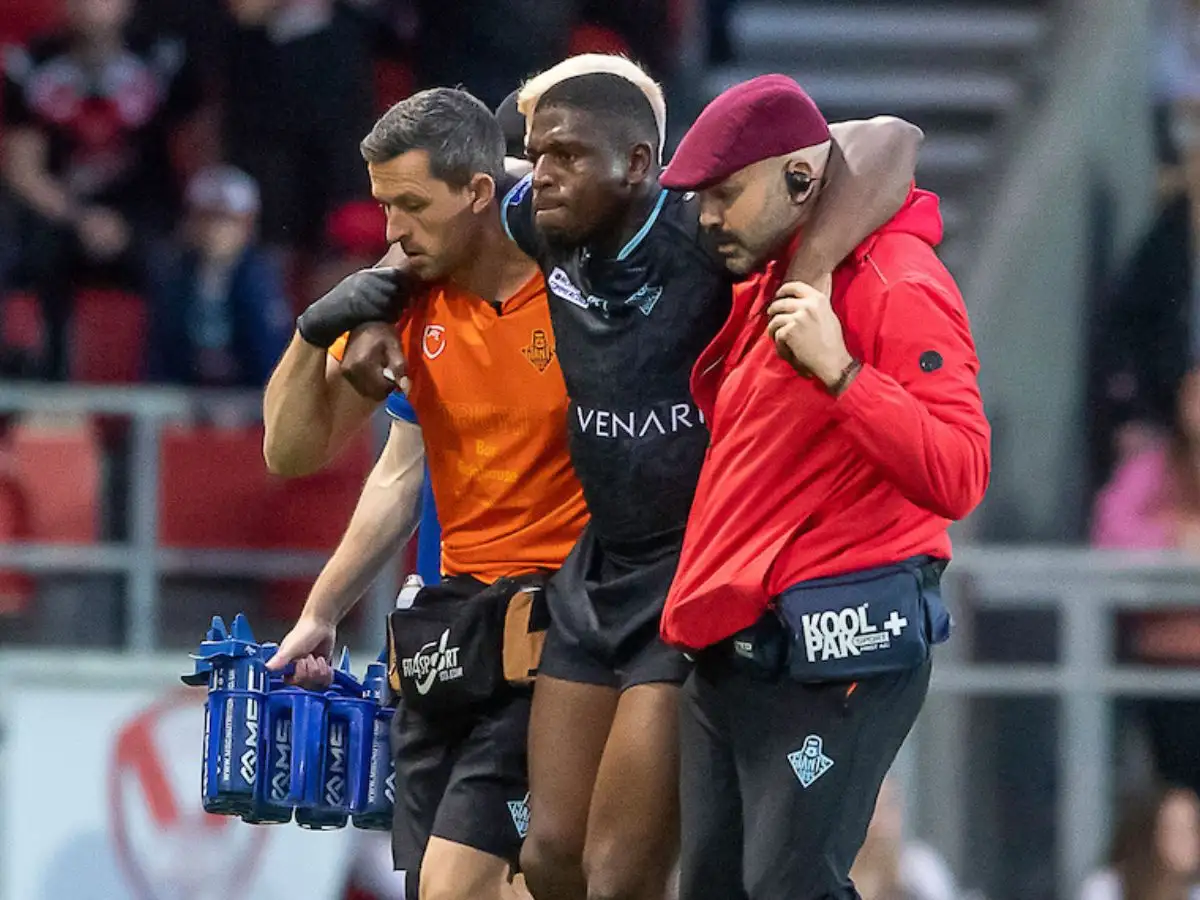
(799, 185)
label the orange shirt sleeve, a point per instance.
(338, 348)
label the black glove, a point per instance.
(370, 295)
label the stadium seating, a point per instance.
(393, 82)
(589, 38)
(16, 588)
(211, 482)
(58, 470)
(21, 323)
(958, 70)
(24, 19)
(108, 337)
(217, 493)
(49, 493)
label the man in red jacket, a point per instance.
(847, 432)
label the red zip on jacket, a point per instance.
(800, 485)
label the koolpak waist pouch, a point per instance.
(450, 649)
(865, 623)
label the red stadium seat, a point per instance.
(212, 485)
(16, 588)
(356, 228)
(25, 19)
(58, 470)
(589, 38)
(393, 82)
(108, 337)
(21, 323)
(311, 514)
(216, 492)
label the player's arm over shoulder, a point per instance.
(871, 169)
(516, 214)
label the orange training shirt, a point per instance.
(491, 403)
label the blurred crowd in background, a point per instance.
(204, 155)
(179, 178)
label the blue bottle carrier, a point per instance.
(273, 751)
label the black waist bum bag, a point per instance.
(848, 627)
(864, 623)
(462, 644)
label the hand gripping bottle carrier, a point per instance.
(273, 751)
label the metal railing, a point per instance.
(1085, 587)
(140, 559)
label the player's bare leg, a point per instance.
(568, 728)
(451, 871)
(633, 829)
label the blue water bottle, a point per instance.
(237, 691)
(374, 811)
(265, 811)
(330, 808)
(357, 711)
(294, 731)
(199, 677)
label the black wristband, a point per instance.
(845, 378)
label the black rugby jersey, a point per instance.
(628, 331)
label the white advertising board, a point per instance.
(100, 794)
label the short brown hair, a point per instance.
(458, 131)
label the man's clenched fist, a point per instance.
(369, 295)
(373, 362)
(807, 333)
(310, 646)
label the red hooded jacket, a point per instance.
(798, 484)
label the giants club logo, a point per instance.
(436, 661)
(540, 352)
(847, 632)
(810, 762)
(519, 810)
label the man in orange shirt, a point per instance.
(482, 376)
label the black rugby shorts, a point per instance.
(604, 617)
(462, 779)
(461, 775)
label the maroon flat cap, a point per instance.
(764, 117)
